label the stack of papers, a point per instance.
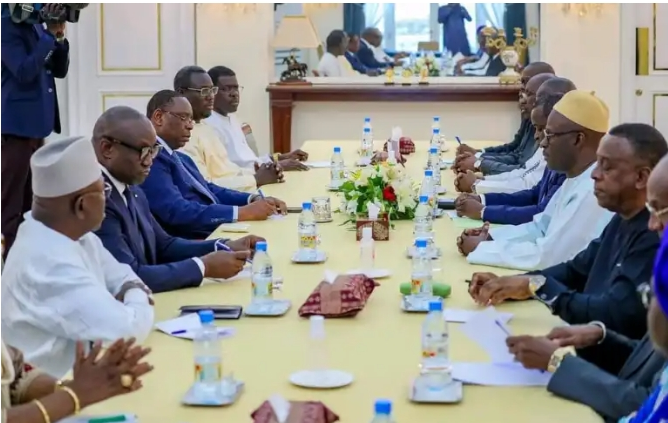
(487, 329)
(186, 327)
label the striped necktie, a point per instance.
(194, 181)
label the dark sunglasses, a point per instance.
(144, 152)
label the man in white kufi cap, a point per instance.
(60, 284)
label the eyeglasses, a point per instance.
(186, 119)
(231, 88)
(205, 92)
(144, 152)
(655, 212)
(549, 135)
(645, 292)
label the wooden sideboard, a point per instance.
(282, 98)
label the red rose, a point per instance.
(389, 195)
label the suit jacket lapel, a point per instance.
(145, 230)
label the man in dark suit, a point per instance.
(371, 42)
(32, 57)
(182, 201)
(125, 145)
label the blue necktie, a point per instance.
(201, 188)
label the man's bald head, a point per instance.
(373, 36)
(556, 85)
(533, 69)
(125, 144)
(537, 81)
(528, 94)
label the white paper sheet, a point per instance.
(189, 323)
(318, 165)
(234, 227)
(499, 374)
(129, 418)
(281, 407)
(276, 217)
(244, 274)
(487, 329)
(456, 315)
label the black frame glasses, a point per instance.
(205, 92)
(549, 135)
(144, 152)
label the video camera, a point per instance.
(35, 13)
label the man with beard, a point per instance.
(507, 157)
(182, 201)
(229, 130)
(204, 147)
(125, 145)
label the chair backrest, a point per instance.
(428, 46)
(250, 138)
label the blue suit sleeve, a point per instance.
(60, 60)
(512, 209)
(24, 66)
(229, 196)
(367, 58)
(159, 278)
(527, 197)
(170, 207)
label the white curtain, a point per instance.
(490, 14)
(373, 14)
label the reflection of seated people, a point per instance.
(334, 62)
(496, 65)
(370, 52)
(351, 55)
(477, 64)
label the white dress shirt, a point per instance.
(334, 66)
(378, 52)
(167, 148)
(571, 220)
(516, 179)
(121, 187)
(56, 291)
(229, 131)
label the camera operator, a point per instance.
(33, 54)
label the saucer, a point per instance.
(321, 379)
(272, 308)
(301, 257)
(451, 393)
(371, 273)
(226, 398)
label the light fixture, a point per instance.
(295, 32)
(582, 9)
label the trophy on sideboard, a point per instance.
(407, 76)
(510, 55)
(424, 74)
(389, 76)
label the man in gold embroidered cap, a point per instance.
(60, 284)
(573, 217)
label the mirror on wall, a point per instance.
(415, 29)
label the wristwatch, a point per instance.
(536, 282)
(556, 359)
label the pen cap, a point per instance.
(306, 206)
(317, 327)
(261, 246)
(435, 306)
(205, 316)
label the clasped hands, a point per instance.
(471, 238)
(534, 352)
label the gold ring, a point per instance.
(127, 380)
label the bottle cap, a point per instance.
(429, 173)
(367, 119)
(261, 246)
(317, 327)
(421, 243)
(435, 306)
(433, 150)
(306, 206)
(205, 316)
(437, 118)
(367, 234)
(367, 129)
(383, 407)
(436, 131)
(424, 199)
(337, 149)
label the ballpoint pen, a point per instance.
(459, 141)
(109, 419)
(220, 245)
(503, 328)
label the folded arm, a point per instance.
(24, 66)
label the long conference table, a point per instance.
(380, 347)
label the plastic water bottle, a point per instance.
(423, 220)
(208, 358)
(367, 124)
(337, 168)
(366, 151)
(262, 275)
(427, 187)
(434, 164)
(436, 140)
(436, 124)
(421, 272)
(367, 250)
(308, 233)
(435, 344)
(382, 411)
